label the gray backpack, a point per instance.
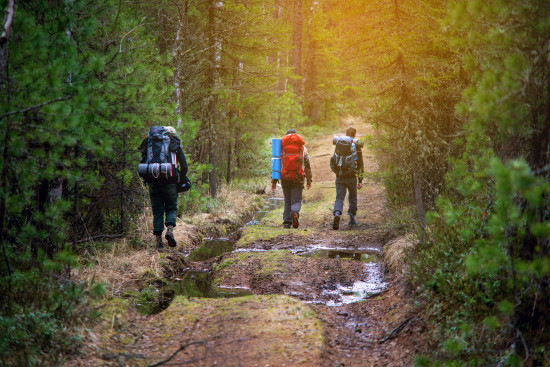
(344, 159)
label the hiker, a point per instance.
(347, 164)
(295, 168)
(162, 153)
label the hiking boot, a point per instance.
(336, 222)
(352, 221)
(170, 236)
(295, 223)
(159, 242)
(286, 225)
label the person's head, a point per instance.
(291, 131)
(170, 130)
(350, 131)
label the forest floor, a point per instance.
(311, 296)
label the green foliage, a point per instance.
(39, 316)
(484, 263)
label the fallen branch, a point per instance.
(379, 293)
(35, 107)
(396, 331)
(10, 11)
(384, 290)
(182, 347)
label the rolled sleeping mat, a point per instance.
(276, 164)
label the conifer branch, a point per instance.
(10, 11)
(35, 107)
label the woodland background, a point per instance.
(459, 91)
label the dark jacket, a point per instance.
(175, 146)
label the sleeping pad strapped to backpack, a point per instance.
(293, 158)
(160, 164)
(343, 161)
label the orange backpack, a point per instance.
(293, 157)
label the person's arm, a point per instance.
(360, 166)
(274, 182)
(143, 150)
(182, 162)
(307, 167)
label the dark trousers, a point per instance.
(164, 200)
(292, 192)
(343, 184)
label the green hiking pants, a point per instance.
(164, 200)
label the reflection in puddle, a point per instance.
(199, 284)
(372, 283)
(363, 255)
(210, 248)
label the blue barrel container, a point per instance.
(276, 164)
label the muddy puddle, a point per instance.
(370, 284)
(365, 255)
(210, 248)
(200, 283)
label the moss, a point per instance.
(285, 325)
(272, 262)
(224, 264)
(267, 264)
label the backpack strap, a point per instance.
(283, 168)
(149, 150)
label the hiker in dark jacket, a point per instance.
(164, 195)
(350, 181)
(294, 186)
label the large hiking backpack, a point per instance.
(292, 158)
(343, 161)
(160, 163)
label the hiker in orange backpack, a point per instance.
(295, 168)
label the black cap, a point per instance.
(291, 131)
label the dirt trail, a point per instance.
(299, 313)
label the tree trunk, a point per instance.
(212, 76)
(122, 189)
(229, 159)
(5, 85)
(311, 98)
(297, 50)
(238, 149)
(419, 203)
(177, 72)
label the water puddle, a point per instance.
(372, 283)
(199, 284)
(366, 255)
(211, 247)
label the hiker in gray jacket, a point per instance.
(347, 164)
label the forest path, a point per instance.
(311, 289)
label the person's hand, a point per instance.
(308, 186)
(273, 186)
(359, 185)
